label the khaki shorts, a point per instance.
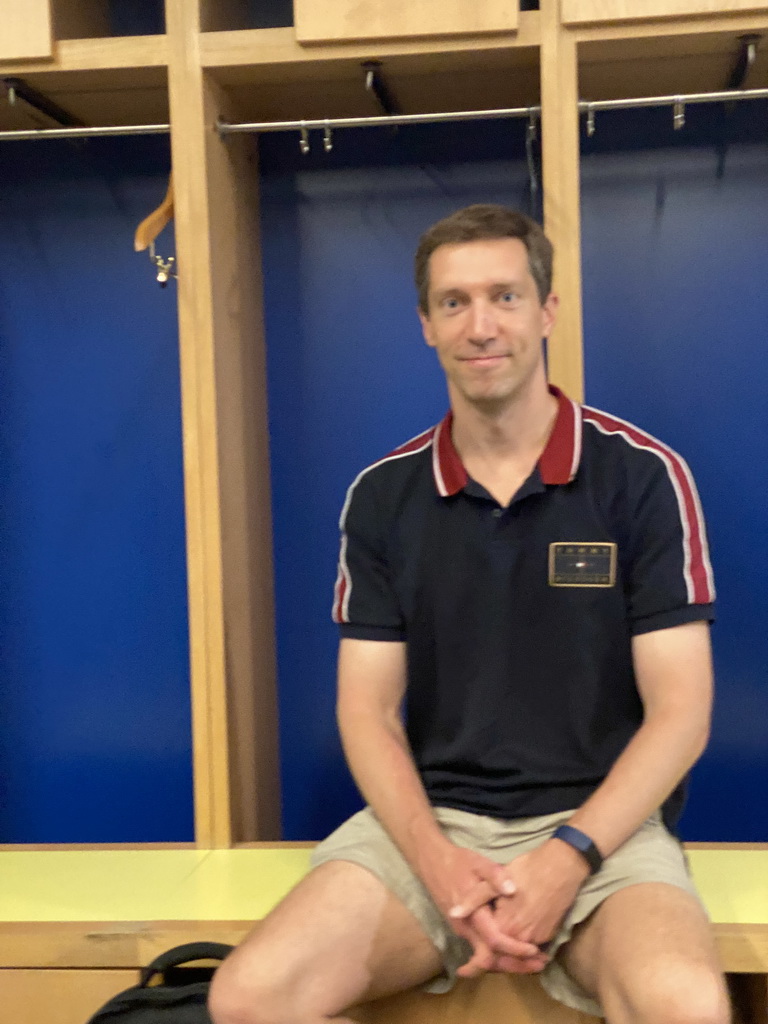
(650, 855)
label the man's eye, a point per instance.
(451, 302)
(508, 297)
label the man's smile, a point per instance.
(490, 360)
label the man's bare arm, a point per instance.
(673, 668)
(372, 678)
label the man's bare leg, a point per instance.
(649, 956)
(338, 938)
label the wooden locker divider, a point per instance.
(562, 216)
(226, 456)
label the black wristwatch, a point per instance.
(581, 842)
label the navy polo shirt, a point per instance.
(518, 621)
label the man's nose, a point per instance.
(482, 323)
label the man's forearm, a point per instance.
(381, 763)
(659, 755)
(673, 668)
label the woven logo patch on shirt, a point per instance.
(582, 564)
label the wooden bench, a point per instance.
(76, 925)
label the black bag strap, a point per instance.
(187, 953)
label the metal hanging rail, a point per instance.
(226, 128)
(326, 124)
(85, 133)
(726, 96)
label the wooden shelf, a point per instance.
(337, 89)
(615, 65)
(269, 76)
(581, 12)
(116, 80)
(105, 54)
(253, 47)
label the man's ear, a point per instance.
(426, 327)
(549, 312)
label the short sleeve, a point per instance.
(365, 605)
(670, 575)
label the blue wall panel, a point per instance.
(675, 308)
(675, 252)
(95, 739)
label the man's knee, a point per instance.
(237, 997)
(687, 995)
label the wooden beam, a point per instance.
(562, 218)
(226, 458)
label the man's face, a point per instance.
(486, 321)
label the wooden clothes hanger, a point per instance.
(152, 225)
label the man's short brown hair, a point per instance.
(480, 222)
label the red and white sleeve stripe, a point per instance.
(697, 568)
(343, 589)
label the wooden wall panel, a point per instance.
(346, 20)
(26, 32)
(59, 997)
(590, 12)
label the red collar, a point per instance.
(557, 465)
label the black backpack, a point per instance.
(180, 997)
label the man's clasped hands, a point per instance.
(509, 913)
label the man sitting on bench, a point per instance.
(530, 578)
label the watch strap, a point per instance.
(580, 841)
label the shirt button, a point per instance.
(498, 513)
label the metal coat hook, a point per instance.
(750, 44)
(744, 61)
(377, 86)
(327, 139)
(530, 139)
(165, 268)
(678, 115)
(590, 121)
(22, 95)
(304, 140)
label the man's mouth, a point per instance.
(493, 360)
